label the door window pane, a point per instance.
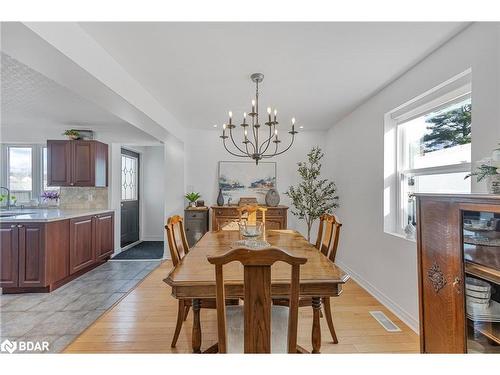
(129, 178)
(20, 173)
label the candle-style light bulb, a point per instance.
(293, 120)
(253, 106)
(223, 126)
(246, 132)
(276, 132)
(275, 113)
(244, 117)
(269, 113)
(230, 117)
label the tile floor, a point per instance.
(60, 316)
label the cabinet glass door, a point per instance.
(481, 246)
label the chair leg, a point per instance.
(178, 325)
(186, 312)
(329, 320)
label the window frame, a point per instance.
(396, 172)
(36, 168)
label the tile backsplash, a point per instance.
(83, 197)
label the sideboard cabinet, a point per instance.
(276, 217)
(458, 238)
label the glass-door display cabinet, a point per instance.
(458, 241)
(481, 249)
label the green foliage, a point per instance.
(313, 196)
(192, 197)
(72, 133)
(483, 171)
(449, 129)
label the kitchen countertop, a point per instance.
(42, 215)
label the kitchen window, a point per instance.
(24, 172)
(427, 150)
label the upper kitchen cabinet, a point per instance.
(77, 163)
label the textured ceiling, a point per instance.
(29, 100)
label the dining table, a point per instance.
(194, 277)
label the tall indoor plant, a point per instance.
(313, 196)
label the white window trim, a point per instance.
(455, 89)
(36, 168)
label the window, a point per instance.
(427, 150)
(129, 178)
(435, 154)
(25, 172)
(20, 173)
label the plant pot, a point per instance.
(73, 137)
(192, 204)
(493, 183)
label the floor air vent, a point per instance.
(385, 321)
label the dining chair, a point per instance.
(257, 326)
(251, 211)
(327, 242)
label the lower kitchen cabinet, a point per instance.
(9, 255)
(81, 250)
(104, 235)
(38, 257)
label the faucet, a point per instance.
(8, 196)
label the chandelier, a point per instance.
(255, 145)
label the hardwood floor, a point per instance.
(144, 322)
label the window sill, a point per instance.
(401, 236)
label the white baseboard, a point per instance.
(401, 313)
(152, 238)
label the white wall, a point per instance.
(152, 193)
(204, 150)
(382, 263)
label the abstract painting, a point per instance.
(245, 179)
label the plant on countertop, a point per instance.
(313, 196)
(50, 195)
(489, 168)
(72, 134)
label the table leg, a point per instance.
(196, 336)
(316, 328)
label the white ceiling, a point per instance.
(33, 105)
(317, 72)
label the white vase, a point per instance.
(493, 183)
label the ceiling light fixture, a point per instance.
(253, 149)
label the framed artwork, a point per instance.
(245, 179)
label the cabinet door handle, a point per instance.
(13, 226)
(19, 226)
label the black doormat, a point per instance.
(144, 250)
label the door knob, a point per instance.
(457, 284)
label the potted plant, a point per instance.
(192, 198)
(489, 169)
(72, 134)
(13, 199)
(50, 197)
(313, 196)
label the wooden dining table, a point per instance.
(194, 276)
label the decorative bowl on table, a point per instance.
(251, 230)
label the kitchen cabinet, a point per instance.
(104, 235)
(458, 241)
(42, 256)
(81, 252)
(77, 163)
(92, 240)
(9, 255)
